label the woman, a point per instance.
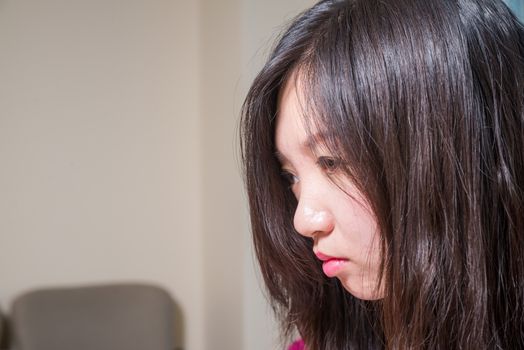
(383, 148)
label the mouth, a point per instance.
(331, 265)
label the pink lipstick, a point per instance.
(331, 265)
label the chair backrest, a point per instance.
(112, 317)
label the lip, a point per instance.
(331, 265)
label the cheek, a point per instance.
(361, 232)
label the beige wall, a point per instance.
(117, 152)
(100, 146)
(221, 201)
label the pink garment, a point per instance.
(298, 345)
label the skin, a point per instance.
(335, 216)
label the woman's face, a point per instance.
(335, 216)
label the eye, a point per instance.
(289, 177)
(329, 164)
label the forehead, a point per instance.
(292, 131)
(290, 111)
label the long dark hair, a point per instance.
(425, 101)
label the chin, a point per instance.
(364, 291)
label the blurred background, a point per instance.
(518, 8)
(119, 153)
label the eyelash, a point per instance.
(289, 177)
(329, 164)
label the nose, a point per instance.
(312, 217)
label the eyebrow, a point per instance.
(281, 158)
(312, 142)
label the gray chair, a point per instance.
(111, 317)
(3, 344)
(1, 329)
